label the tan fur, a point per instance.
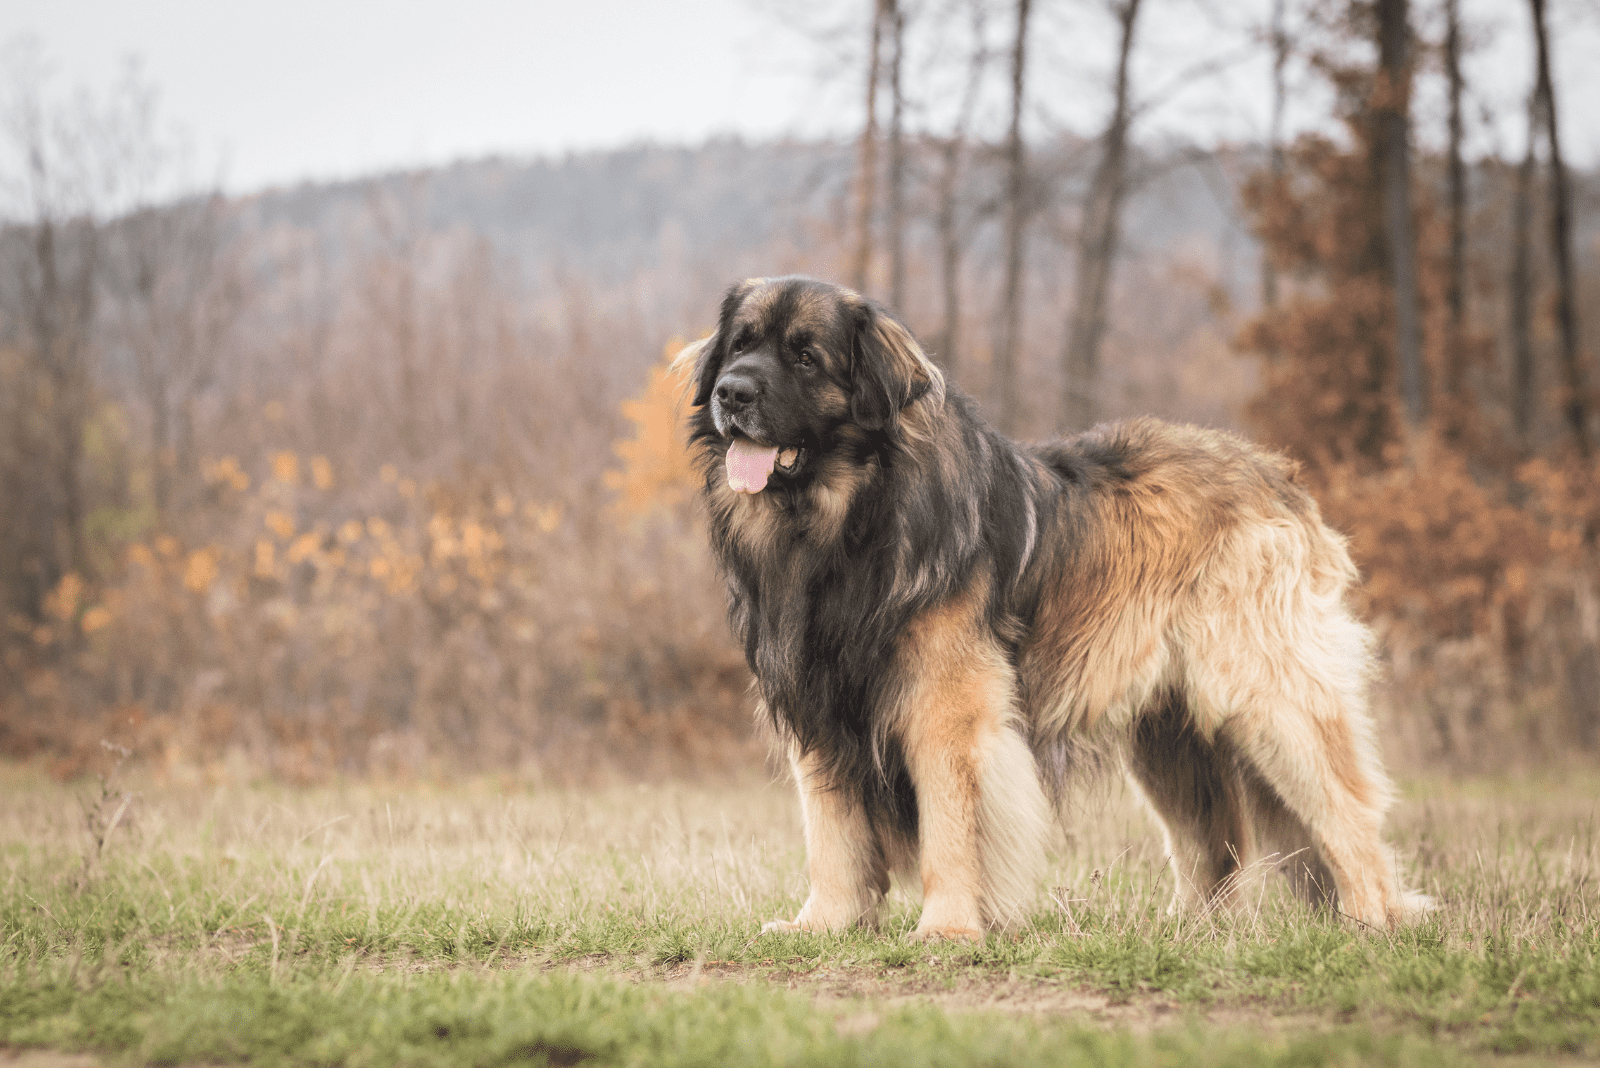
(1211, 582)
(830, 497)
(752, 517)
(682, 365)
(848, 868)
(913, 362)
(982, 810)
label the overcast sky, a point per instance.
(272, 93)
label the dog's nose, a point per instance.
(736, 390)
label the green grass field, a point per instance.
(486, 924)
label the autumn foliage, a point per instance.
(309, 621)
(1478, 549)
(656, 476)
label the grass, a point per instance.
(486, 924)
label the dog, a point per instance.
(940, 621)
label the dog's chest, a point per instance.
(813, 639)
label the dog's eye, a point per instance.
(806, 359)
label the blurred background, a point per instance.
(336, 435)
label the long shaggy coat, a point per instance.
(938, 617)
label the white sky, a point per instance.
(271, 93)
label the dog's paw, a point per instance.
(1414, 906)
(946, 933)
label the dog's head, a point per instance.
(792, 363)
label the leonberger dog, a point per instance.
(940, 619)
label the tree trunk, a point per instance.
(1520, 295)
(1455, 289)
(895, 19)
(1575, 399)
(949, 253)
(1005, 356)
(867, 179)
(50, 259)
(59, 291)
(1280, 59)
(947, 220)
(1455, 414)
(1097, 245)
(1393, 147)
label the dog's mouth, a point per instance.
(751, 464)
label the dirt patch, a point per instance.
(955, 989)
(958, 989)
(44, 1058)
(951, 987)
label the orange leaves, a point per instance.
(1457, 542)
(97, 618)
(286, 467)
(545, 517)
(304, 547)
(1568, 493)
(200, 570)
(274, 579)
(226, 471)
(1438, 547)
(656, 472)
(63, 602)
(266, 560)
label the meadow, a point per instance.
(217, 921)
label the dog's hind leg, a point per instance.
(1286, 843)
(844, 859)
(1291, 691)
(1323, 769)
(1276, 664)
(1193, 786)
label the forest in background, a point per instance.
(384, 476)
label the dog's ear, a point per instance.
(709, 352)
(691, 359)
(890, 370)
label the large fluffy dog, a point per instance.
(939, 618)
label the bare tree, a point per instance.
(1455, 289)
(176, 293)
(952, 237)
(1097, 240)
(1575, 401)
(1016, 211)
(894, 18)
(1279, 38)
(1519, 290)
(394, 290)
(867, 174)
(1392, 147)
(49, 270)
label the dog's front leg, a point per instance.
(843, 859)
(982, 814)
(942, 760)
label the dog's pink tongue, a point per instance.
(749, 465)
